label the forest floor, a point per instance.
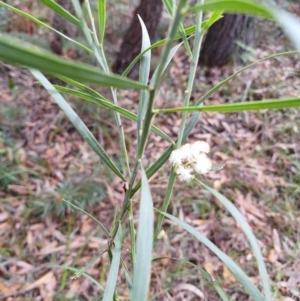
(43, 160)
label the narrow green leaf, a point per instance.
(142, 268)
(128, 277)
(89, 264)
(101, 19)
(98, 99)
(37, 21)
(144, 77)
(87, 276)
(171, 6)
(77, 122)
(232, 266)
(91, 216)
(214, 17)
(81, 86)
(114, 268)
(165, 52)
(271, 104)
(170, 56)
(90, 35)
(61, 11)
(233, 6)
(154, 167)
(250, 236)
(11, 50)
(146, 58)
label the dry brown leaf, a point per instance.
(74, 288)
(48, 247)
(29, 240)
(48, 282)
(20, 190)
(209, 267)
(272, 256)
(6, 290)
(86, 226)
(59, 236)
(228, 276)
(3, 216)
(25, 267)
(191, 288)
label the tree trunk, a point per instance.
(150, 12)
(219, 47)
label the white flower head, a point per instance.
(203, 164)
(185, 173)
(187, 151)
(200, 147)
(176, 157)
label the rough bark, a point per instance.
(150, 12)
(219, 47)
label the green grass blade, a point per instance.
(61, 11)
(91, 216)
(98, 99)
(100, 287)
(232, 266)
(142, 267)
(89, 264)
(37, 21)
(271, 104)
(233, 6)
(81, 87)
(250, 236)
(93, 31)
(77, 122)
(90, 35)
(101, 19)
(143, 77)
(114, 268)
(11, 50)
(214, 17)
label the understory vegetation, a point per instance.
(181, 185)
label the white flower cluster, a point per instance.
(191, 159)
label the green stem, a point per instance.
(168, 44)
(188, 92)
(149, 112)
(95, 36)
(132, 235)
(165, 204)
